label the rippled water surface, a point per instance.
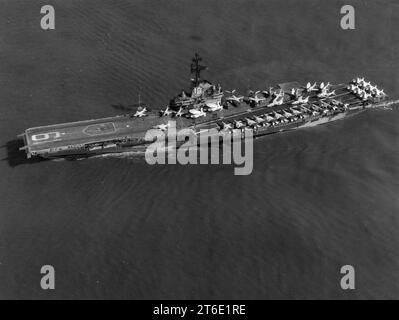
(115, 227)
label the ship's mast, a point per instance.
(196, 68)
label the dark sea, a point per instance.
(118, 228)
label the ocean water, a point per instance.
(115, 227)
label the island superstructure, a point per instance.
(207, 107)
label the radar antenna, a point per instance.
(196, 68)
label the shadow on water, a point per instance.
(16, 157)
(130, 107)
(122, 107)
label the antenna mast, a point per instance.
(196, 68)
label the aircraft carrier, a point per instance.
(206, 107)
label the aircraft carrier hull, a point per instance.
(128, 133)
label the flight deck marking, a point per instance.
(43, 137)
(100, 129)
